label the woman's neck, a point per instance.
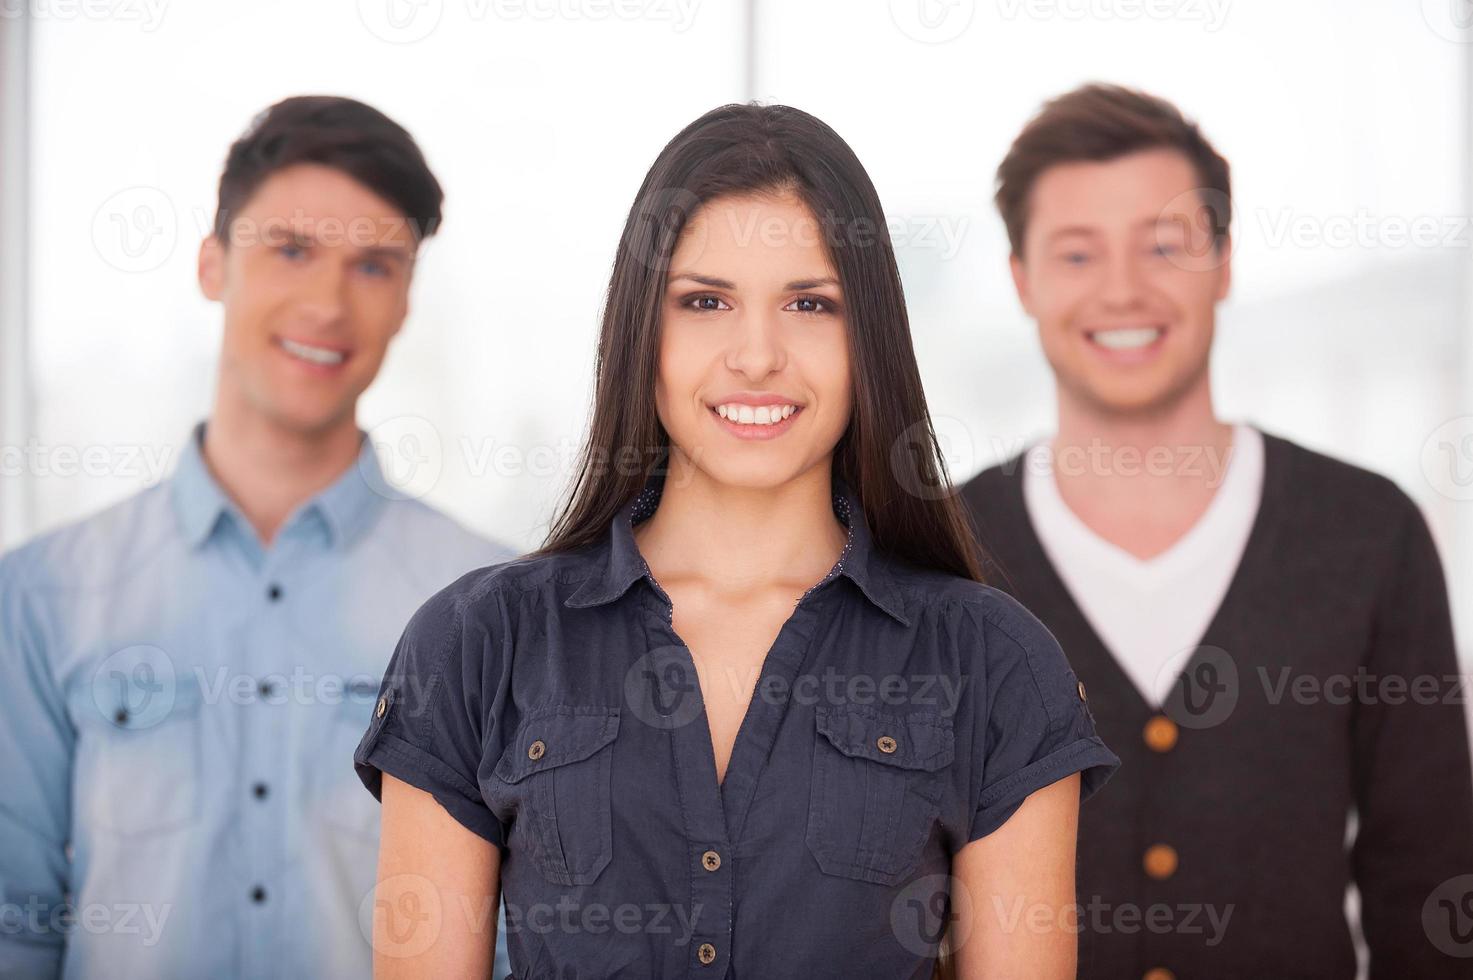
(741, 539)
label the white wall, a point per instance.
(1343, 122)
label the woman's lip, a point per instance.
(756, 432)
(755, 401)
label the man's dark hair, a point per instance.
(336, 132)
(1097, 123)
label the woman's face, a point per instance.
(754, 354)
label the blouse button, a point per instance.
(1160, 733)
(1081, 691)
(383, 705)
(536, 749)
(886, 744)
(710, 860)
(1160, 861)
(706, 954)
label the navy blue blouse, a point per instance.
(548, 704)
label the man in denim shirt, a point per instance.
(184, 677)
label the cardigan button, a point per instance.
(536, 749)
(710, 860)
(1160, 733)
(1160, 861)
(706, 953)
(886, 744)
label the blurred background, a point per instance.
(1346, 123)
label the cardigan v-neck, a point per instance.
(996, 502)
(1150, 613)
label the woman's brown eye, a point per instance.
(710, 303)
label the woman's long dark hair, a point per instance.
(888, 454)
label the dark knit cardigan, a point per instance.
(1326, 684)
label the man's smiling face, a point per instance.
(1123, 276)
(315, 283)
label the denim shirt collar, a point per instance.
(344, 507)
(622, 565)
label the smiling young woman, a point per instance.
(750, 709)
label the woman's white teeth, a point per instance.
(1129, 338)
(761, 415)
(313, 355)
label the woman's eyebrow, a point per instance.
(711, 281)
(797, 285)
(801, 284)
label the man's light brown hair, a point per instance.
(1098, 123)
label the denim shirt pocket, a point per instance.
(878, 779)
(139, 754)
(555, 777)
(339, 793)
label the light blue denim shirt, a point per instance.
(178, 713)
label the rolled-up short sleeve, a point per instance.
(1032, 721)
(431, 725)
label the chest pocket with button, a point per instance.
(553, 783)
(877, 785)
(138, 756)
(340, 798)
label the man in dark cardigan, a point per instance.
(1263, 631)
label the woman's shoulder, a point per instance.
(963, 603)
(463, 636)
(488, 594)
(1015, 662)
